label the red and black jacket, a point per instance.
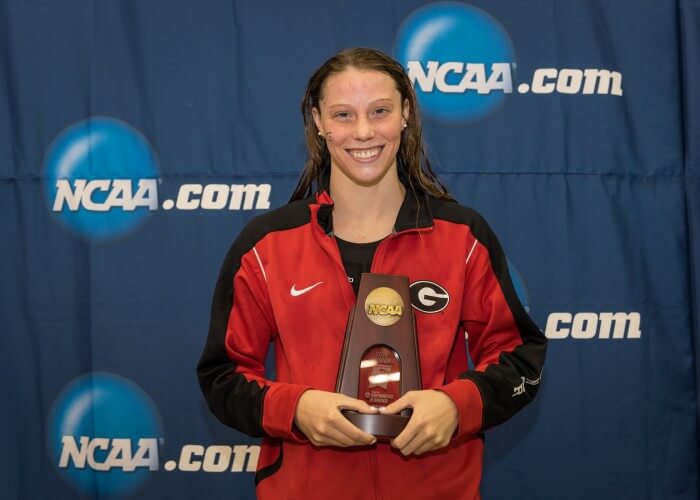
(435, 241)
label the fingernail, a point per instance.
(373, 441)
(381, 409)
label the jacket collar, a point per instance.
(414, 212)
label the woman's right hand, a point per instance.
(318, 416)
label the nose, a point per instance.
(363, 129)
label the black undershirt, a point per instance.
(357, 259)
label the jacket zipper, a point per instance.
(373, 465)
(348, 292)
(383, 244)
(373, 462)
(376, 260)
(330, 246)
(381, 250)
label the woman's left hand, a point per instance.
(432, 424)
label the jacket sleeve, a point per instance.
(231, 370)
(505, 345)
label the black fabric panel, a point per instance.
(414, 212)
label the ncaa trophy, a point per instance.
(380, 354)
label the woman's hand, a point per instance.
(318, 416)
(432, 424)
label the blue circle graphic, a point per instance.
(438, 42)
(103, 434)
(101, 178)
(519, 285)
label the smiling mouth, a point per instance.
(365, 154)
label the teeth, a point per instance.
(364, 153)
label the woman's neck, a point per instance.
(363, 214)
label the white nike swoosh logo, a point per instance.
(296, 293)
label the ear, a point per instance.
(317, 119)
(406, 110)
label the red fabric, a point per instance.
(308, 332)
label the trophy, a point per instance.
(380, 354)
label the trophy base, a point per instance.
(384, 427)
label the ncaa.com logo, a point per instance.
(462, 64)
(102, 181)
(582, 325)
(104, 435)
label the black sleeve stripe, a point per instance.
(234, 400)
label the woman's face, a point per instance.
(361, 117)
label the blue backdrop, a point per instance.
(136, 139)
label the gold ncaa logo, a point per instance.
(384, 306)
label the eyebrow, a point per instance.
(376, 101)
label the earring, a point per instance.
(319, 133)
(404, 125)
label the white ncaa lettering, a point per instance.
(295, 293)
(571, 80)
(92, 186)
(604, 79)
(588, 325)
(184, 201)
(187, 463)
(97, 444)
(215, 196)
(70, 451)
(104, 454)
(584, 325)
(244, 455)
(538, 81)
(435, 75)
(120, 194)
(218, 458)
(426, 81)
(220, 196)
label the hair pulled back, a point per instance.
(412, 162)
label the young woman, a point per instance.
(367, 201)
